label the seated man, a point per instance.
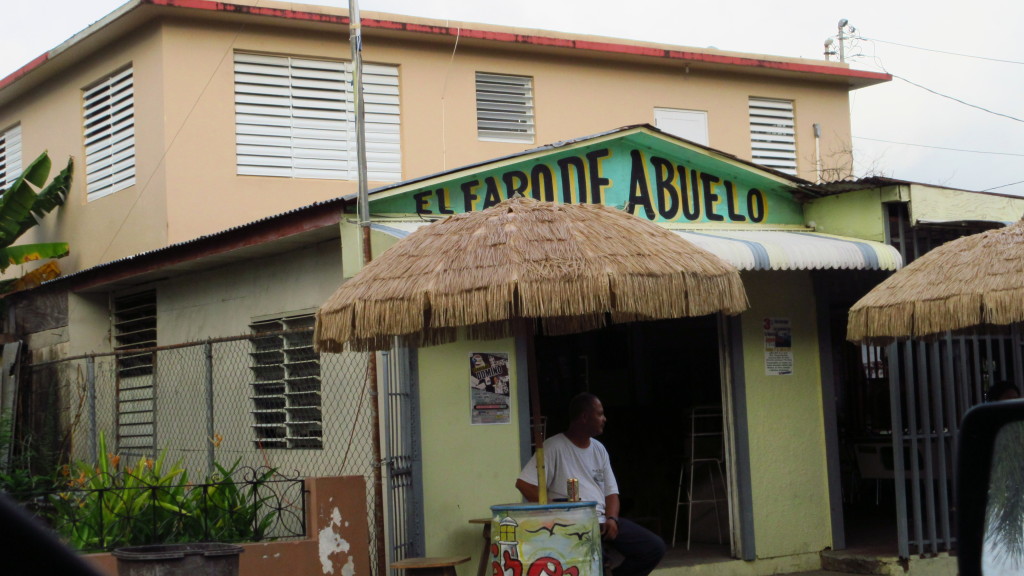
(576, 454)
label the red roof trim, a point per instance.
(606, 47)
(13, 77)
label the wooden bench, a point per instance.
(444, 566)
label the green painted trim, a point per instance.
(649, 174)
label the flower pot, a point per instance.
(207, 558)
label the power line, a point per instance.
(940, 147)
(878, 63)
(940, 51)
(1003, 186)
(937, 93)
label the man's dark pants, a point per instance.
(641, 549)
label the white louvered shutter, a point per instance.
(504, 107)
(294, 118)
(773, 134)
(383, 144)
(10, 156)
(109, 118)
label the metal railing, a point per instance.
(110, 510)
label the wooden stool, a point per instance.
(485, 553)
(430, 566)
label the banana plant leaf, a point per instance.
(21, 207)
(28, 252)
(47, 271)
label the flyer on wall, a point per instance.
(489, 388)
(778, 347)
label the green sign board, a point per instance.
(652, 176)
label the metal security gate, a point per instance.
(931, 385)
(402, 455)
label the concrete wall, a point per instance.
(785, 420)
(935, 204)
(466, 468)
(127, 222)
(857, 214)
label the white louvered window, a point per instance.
(295, 118)
(504, 107)
(10, 156)
(109, 115)
(773, 134)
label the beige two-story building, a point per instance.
(185, 119)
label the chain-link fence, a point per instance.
(258, 400)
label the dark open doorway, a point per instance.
(862, 419)
(649, 376)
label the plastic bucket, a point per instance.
(563, 538)
(206, 558)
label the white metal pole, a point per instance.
(356, 42)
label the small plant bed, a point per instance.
(103, 506)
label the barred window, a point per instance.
(294, 118)
(10, 156)
(773, 134)
(134, 319)
(135, 328)
(504, 107)
(109, 120)
(286, 383)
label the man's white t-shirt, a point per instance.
(564, 460)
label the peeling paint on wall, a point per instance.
(349, 569)
(332, 543)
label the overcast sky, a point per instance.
(971, 52)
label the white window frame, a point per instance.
(295, 118)
(10, 156)
(504, 108)
(108, 109)
(773, 134)
(690, 125)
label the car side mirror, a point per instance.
(990, 490)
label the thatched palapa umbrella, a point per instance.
(971, 281)
(570, 268)
(567, 265)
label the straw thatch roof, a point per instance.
(967, 282)
(572, 266)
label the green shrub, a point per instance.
(102, 506)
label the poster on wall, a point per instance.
(489, 388)
(778, 347)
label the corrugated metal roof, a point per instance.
(223, 236)
(793, 250)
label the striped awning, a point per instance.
(760, 249)
(794, 250)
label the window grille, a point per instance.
(295, 118)
(504, 107)
(286, 383)
(773, 134)
(10, 156)
(135, 328)
(109, 120)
